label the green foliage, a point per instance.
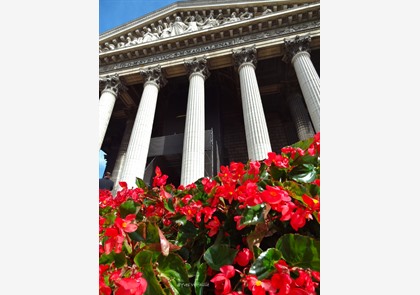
(259, 218)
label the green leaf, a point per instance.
(128, 207)
(143, 258)
(181, 221)
(253, 214)
(303, 144)
(277, 173)
(172, 267)
(119, 259)
(127, 247)
(303, 173)
(185, 232)
(218, 255)
(168, 204)
(200, 279)
(300, 251)
(263, 266)
(296, 190)
(153, 285)
(140, 183)
(152, 233)
(106, 258)
(265, 179)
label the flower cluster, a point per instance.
(244, 231)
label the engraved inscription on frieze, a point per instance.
(211, 46)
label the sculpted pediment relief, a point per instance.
(184, 18)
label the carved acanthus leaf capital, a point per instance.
(296, 45)
(198, 65)
(246, 54)
(112, 83)
(154, 74)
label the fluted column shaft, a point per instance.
(256, 131)
(193, 149)
(297, 52)
(310, 85)
(138, 146)
(300, 116)
(106, 104)
(257, 138)
(122, 152)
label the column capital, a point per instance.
(154, 74)
(197, 65)
(112, 83)
(295, 45)
(245, 55)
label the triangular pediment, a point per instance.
(199, 24)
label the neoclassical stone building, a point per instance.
(198, 84)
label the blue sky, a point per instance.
(113, 13)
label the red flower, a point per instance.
(208, 184)
(243, 257)
(106, 199)
(213, 225)
(298, 219)
(259, 287)
(274, 195)
(278, 160)
(227, 192)
(238, 222)
(282, 282)
(125, 224)
(159, 179)
(221, 280)
(104, 289)
(248, 193)
(311, 202)
(114, 242)
(208, 213)
(129, 286)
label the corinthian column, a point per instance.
(297, 51)
(122, 152)
(193, 149)
(257, 139)
(138, 146)
(106, 103)
(300, 116)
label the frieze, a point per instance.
(205, 48)
(178, 26)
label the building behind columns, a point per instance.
(174, 84)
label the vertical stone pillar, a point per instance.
(138, 146)
(106, 103)
(297, 51)
(257, 138)
(300, 116)
(194, 134)
(119, 163)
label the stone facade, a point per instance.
(241, 75)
